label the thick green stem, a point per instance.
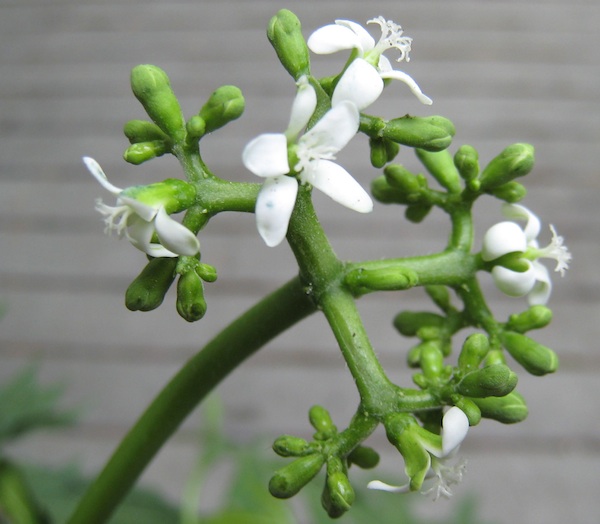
(267, 319)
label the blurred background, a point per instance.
(502, 71)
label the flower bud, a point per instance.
(224, 105)
(466, 161)
(290, 479)
(190, 304)
(148, 289)
(409, 322)
(321, 420)
(535, 317)
(207, 272)
(143, 131)
(379, 156)
(440, 296)
(441, 166)
(410, 185)
(142, 151)
(392, 149)
(391, 278)
(491, 381)
(289, 446)
(338, 494)
(535, 358)
(196, 128)
(510, 192)
(152, 88)
(417, 213)
(508, 409)
(364, 457)
(432, 133)
(473, 352)
(432, 360)
(386, 194)
(285, 34)
(174, 194)
(515, 161)
(468, 407)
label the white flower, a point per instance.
(362, 82)
(440, 476)
(267, 156)
(507, 237)
(139, 221)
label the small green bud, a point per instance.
(174, 194)
(391, 278)
(386, 194)
(143, 131)
(495, 356)
(469, 408)
(417, 213)
(290, 479)
(432, 133)
(207, 272)
(432, 360)
(338, 495)
(321, 420)
(474, 350)
(290, 446)
(510, 192)
(196, 128)
(440, 296)
(508, 409)
(148, 289)
(466, 161)
(413, 357)
(152, 88)
(535, 358)
(392, 149)
(379, 156)
(364, 457)
(285, 34)
(515, 161)
(409, 322)
(441, 166)
(143, 151)
(190, 304)
(535, 317)
(402, 179)
(224, 105)
(491, 381)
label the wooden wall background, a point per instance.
(503, 71)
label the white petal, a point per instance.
(337, 127)
(303, 108)
(384, 65)
(455, 426)
(143, 210)
(408, 80)
(140, 232)
(266, 155)
(501, 239)
(360, 84)
(367, 42)
(175, 236)
(332, 38)
(513, 283)
(95, 169)
(333, 180)
(274, 207)
(533, 226)
(377, 484)
(542, 288)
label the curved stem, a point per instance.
(267, 319)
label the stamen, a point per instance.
(556, 250)
(391, 36)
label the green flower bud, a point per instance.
(174, 194)
(441, 166)
(432, 360)
(392, 278)
(148, 289)
(143, 131)
(290, 479)
(495, 356)
(491, 381)
(417, 213)
(392, 149)
(196, 128)
(469, 408)
(410, 185)
(413, 357)
(409, 322)
(364, 457)
(535, 317)
(285, 34)
(386, 194)
(432, 133)
(224, 105)
(207, 272)
(466, 161)
(338, 495)
(142, 151)
(378, 152)
(510, 192)
(440, 296)
(474, 350)
(515, 161)
(535, 358)
(190, 297)
(320, 419)
(508, 409)
(289, 446)
(152, 88)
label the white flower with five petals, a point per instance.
(508, 237)
(313, 152)
(139, 221)
(455, 426)
(362, 82)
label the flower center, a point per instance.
(391, 37)
(556, 250)
(309, 151)
(115, 217)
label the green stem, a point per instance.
(271, 316)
